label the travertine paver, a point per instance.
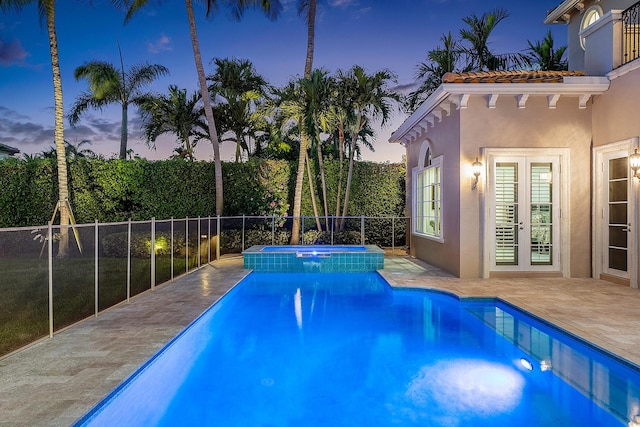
(56, 381)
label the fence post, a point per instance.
(243, 221)
(219, 239)
(393, 236)
(50, 254)
(333, 225)
(129, 260)
(172, 249)
(302, 231)
(95, 272)
(362, 230)
(153, 253)
(199, 241)
(186, 245)
(273, 230)
(208, 240)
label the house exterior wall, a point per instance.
(536, 126)
(615, 112)
(615, 117)
(575, 53)
(445, 139)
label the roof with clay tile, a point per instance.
(515, 76)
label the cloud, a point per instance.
(12, 53)
(343, 3)
(406, 88)
(160, 45)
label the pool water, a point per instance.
(344, 349)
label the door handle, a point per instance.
(521, 227)
(627, 228)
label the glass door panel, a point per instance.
(618, 223)
(506, 204)
(541, 220)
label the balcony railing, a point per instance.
(631, 34)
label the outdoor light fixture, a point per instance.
(634, 162)
(476, 167)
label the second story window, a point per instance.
(590, 16)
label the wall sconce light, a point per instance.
(476, 168)
(634, 163)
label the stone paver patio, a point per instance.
(56, 381)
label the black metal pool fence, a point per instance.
(53, 276)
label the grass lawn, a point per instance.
(24, 301)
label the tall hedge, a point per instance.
(114, 190)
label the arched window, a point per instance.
(590, 16)
(427, 215)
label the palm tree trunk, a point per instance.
(324, 184)
(347, 190)
(124, 132)
(208, 111)
(313, 193)
(297, 198)
(340, 171)
(63, 189)
(311, 31)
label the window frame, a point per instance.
(585, 22)
(417, 174)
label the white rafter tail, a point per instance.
(582, 102)
(553, 101)
(431, 120)
(464, 100)
(446, 107)
(493, 98)
(438, 115)
(522, 100)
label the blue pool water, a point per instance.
(344, 349)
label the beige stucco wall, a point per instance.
(575, 53)
(444, 139)
(460, 138)
(536, 126)
(615, 114)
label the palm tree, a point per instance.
(480, 56)
(543, 56)
(46, 9)
(308, 7)
(240, 89)
(443, 59)
(271, 9)
(369, 99)
(72, 151)
(177, 114)
(477, 35)
(108, 85)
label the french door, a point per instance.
(525, 213)
(614, 214)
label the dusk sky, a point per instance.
(376, 34)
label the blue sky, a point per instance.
(376, 34)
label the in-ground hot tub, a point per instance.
(314, 258)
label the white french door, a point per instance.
(524, 197)
(615, 216)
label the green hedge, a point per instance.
(114, 190)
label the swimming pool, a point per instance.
(338, 349)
